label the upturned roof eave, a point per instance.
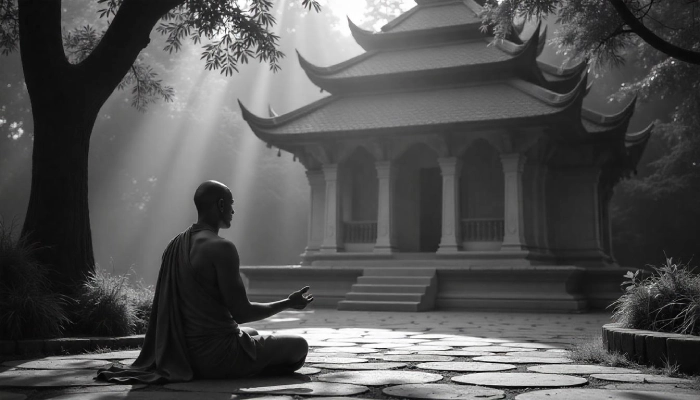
(320, 76)
(549, 97)
(604, 120)
(372, 41)
(281, 139)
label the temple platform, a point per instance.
(458, 285)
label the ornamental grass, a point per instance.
(666, 301)
(28, 307)
(109, 305)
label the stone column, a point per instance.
(540, 183)
(332, 241)
(385, 213)
(450, 169)
(317, 183)
(513, 237)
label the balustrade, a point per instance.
(360, 231)
(482, 230)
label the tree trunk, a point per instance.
(58, 218)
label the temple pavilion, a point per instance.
(448, 170)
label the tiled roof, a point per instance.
(488, 102)
(424, 58)
(434, 16)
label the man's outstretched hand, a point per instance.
(299, 299)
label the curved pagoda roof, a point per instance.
(432, 69)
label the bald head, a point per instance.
(208, 195)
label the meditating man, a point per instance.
(200, 299)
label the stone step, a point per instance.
(394, 280)
(352, 305)
(396, 271)
(367, 288)
(384, 296)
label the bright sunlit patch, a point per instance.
(356, 10)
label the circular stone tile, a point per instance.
(113, 355)
(542, 354)
(378, 340)
(442, 391)
(433, 336)
(494, 349)
(359, 367)
(310, 389)
(380, 377)
(49, 378)
(335, 360)
(350, 350)
(639, 378)
(12, 396)
(309, 370)
(316, 343)
(601, 394)
(57, 364)
(422, 347)
(238, 397)
(454, 343)
(416, 358)
(654, 387)
(457, 353)
(523, 360)
(519, 379)
(141, 395)
(386, 345)
(580, 369)
(466, 366)
(529, 345)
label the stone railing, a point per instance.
(360, 231)
(482, 230)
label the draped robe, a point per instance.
(191, 333)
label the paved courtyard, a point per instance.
(385, 355)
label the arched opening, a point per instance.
(359, 195)
(481, 197)
(418, 200)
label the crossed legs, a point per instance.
(280, 354)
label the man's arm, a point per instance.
(227, 263)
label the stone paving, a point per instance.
(384, 355)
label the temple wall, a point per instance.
(572, 206)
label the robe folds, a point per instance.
(191, 333)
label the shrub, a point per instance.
(666, 301)
(110, 306)
(103, 307)
(28, 307)
(141, 298)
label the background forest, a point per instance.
(145, 165)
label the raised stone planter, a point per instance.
(654, 348)
(67, 345)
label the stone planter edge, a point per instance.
(654, 348)
(75, 345)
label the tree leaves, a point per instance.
(9, 26)
(233, 31)
(230, 32)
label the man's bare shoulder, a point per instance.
(220, 249)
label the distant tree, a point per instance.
(70, 74)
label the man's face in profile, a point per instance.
(228, 212)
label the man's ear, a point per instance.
(220, 204)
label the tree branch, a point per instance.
(651, 38)
(127, 35)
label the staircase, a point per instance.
(392, 289)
